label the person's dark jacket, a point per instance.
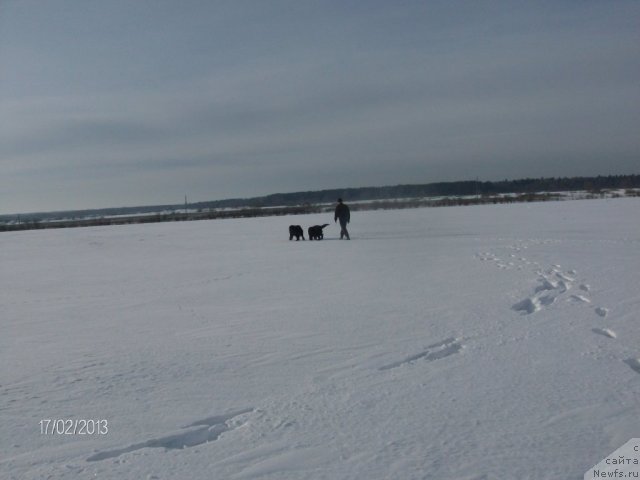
(342, 213)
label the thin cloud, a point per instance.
(308, 96)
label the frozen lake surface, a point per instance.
(487, 342)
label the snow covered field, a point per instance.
(488, 342)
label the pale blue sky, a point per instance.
(120, 102)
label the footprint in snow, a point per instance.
(196, 433)
(580, 298)
(603, 312)
(527, 306)
(547, 300)
(546, 284)
(545, 294)
(562, 276)
(605, 332)
(564, 286)
(634, 363)
(439, 350)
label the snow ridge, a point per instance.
(199, 432)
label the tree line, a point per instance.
(398, 196)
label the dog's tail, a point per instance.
(325, 225)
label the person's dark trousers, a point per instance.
(343, 229)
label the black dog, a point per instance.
(315, 232)
(296, 231)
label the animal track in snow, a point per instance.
(513, 261)
(196, 433)
(585, 287)
(433, 352)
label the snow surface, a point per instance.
(486, 342)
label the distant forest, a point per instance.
(314, 198)
(441, 189)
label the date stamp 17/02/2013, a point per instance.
(78, 426)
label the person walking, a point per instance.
(344, 215)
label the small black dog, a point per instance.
(296, 231)
(315, 232)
